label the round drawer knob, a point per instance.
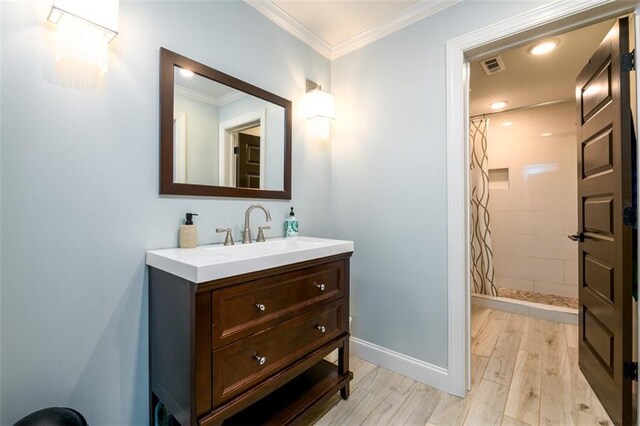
(261, 359)
(260, 306)
(321, 328)
(320, 286)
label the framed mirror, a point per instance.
(221, 136)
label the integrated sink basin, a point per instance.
(206, 263)
(269, 247)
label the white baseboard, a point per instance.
(420, 371)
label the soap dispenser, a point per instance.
(188, 233)
(291, 225)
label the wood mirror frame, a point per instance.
(168, 60)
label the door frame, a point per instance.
(546, 20)
(180, 147)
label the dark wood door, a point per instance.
(248, 161)
(605, 168)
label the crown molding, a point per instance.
(231, 97)
(390, 25)
(208, 99)
(291, 25)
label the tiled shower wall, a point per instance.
(532, 213)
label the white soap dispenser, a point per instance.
(188, 233)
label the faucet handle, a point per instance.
(260, 238)
(228, 239)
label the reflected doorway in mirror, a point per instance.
(254, 123)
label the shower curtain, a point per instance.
(482, 272)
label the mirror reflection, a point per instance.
(225, 137)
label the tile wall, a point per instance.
(531, 219)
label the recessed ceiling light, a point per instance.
(545, 135)
(507, 123)
(186, 73)
(543, 47)
(498, 104)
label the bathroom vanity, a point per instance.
(238, 335)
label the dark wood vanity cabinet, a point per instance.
(250, 349)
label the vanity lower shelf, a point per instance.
(290, 403)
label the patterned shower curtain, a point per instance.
(482, 272)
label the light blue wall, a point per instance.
(202, 120)
(79, 183)
(79, 177)
(389, 178)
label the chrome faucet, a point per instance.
(246, 234)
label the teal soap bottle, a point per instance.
(291, 225)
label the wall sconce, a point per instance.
(319, 109)
(85, 28)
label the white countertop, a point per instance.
(206, 263)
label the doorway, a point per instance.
(242, 150)
(530, 166)
(549, 22)
(524, 179)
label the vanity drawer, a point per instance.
(245, 309)
(247, 362)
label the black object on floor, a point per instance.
(54, 416)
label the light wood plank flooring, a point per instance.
(524, 372)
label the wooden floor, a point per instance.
(524, 372)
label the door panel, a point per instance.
(604, 190)
(599, 338)
(598, 214)
(248, 165)
(597, 154)
(596, 93)
(598, 276)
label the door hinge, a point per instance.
(629, 216)
(631, 370)
(236, 150)
(629, 61)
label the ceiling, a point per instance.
(335, 21)
(529, 79)
(337, 27)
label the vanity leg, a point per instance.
(345, 391)
(343, 358)
(152, 412)
(343, 367)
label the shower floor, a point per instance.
(530, 296)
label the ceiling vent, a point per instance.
(492, 65)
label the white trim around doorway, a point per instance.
(585, 12)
